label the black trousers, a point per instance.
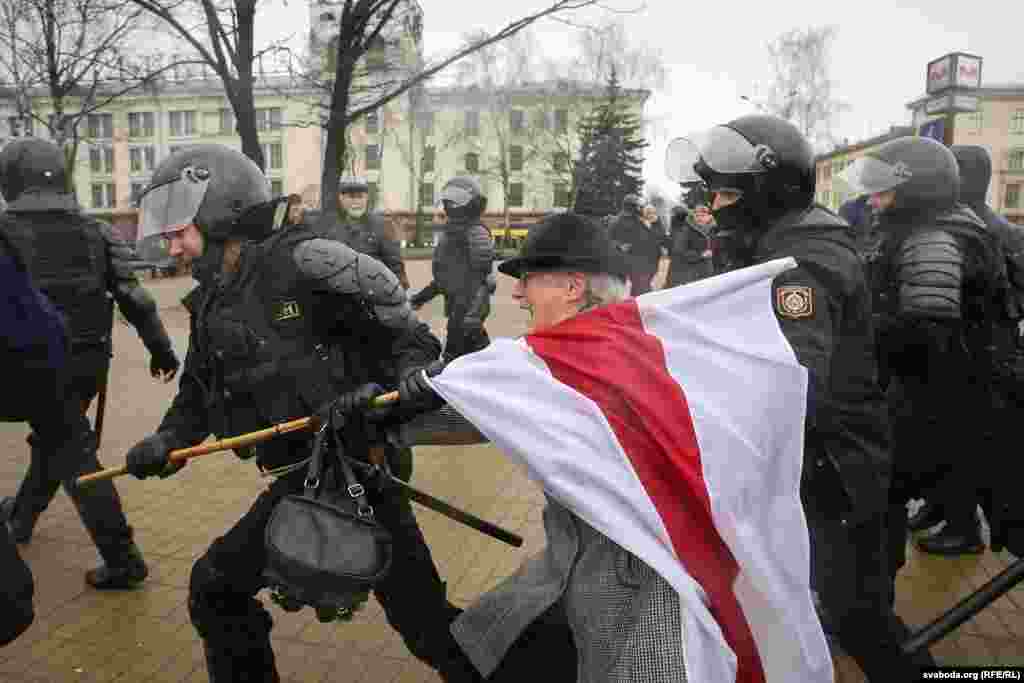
(235, 627)
(63, 447)
(16, 612)
(849, 573)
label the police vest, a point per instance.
(68, 263)
(269, 352)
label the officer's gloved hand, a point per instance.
(360, 399)
(415, 393)
(151, 457)
(164, 364)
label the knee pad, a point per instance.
(218, 612)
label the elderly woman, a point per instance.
(584, 608)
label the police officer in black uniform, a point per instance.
(935, 281)
(362, 230)
(283, 323)
(641, 244)
(761, 171)
(463, 268)
(76, 262)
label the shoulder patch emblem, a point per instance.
(792, 301)
(287, 310)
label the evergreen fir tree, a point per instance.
(610, 161)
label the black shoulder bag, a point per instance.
(324, 546)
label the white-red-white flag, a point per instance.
(673, 423)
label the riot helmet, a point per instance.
(219, 190)
(33, 177)
(463, 199)
(922, 174)
(763, 159)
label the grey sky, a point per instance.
(716, 51)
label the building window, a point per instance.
(1016, 162)
(182, 123)
(472, 162)
(20, 126)
(373, 155)
(373, 122)
(141, 158)
(1017, 122)
(136, 189)
(561, 162)
(1013, 200)
(100, 126)
(516, 120)
(561, 120)
(101, 159)
(141, 124)
(427, 164)
(426, 194)
(974, 122)
(272, 155)
(276, 188)
(425, 122)
(561, 198)
(268, 119)
(515, 194)
(472, 122)
(826, 169)
(103, 195)
(372, 190)
(515, 158)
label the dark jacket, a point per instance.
(285, 334)
(368, 235)
(824, 309)
(463, 265)
(643, 246)
(689, 247)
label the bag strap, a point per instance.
(312, 482)
(352, 485)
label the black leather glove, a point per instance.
(357, 400)
(164, 364)
(415, 393)
(150, 457)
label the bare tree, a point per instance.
(361, 28)
(221, 34)
(76, 56)
(417, 139)
(496, 82)
(801, 90)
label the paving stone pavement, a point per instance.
(83, 636)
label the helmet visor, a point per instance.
(720, 149)
(457, 195)
(870, 175)
(171, 206)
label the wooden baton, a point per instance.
(240, 441)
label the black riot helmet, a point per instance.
(764, 159)
(463, 199)
(32, 177)
(219, 190)
(921, 172)
(632, 204)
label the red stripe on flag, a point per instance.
(607, 356)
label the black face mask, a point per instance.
(207, 268)
(732, 248)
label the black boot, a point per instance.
(927, 516)
(959, 540)
(20, 527)
(127, 572)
